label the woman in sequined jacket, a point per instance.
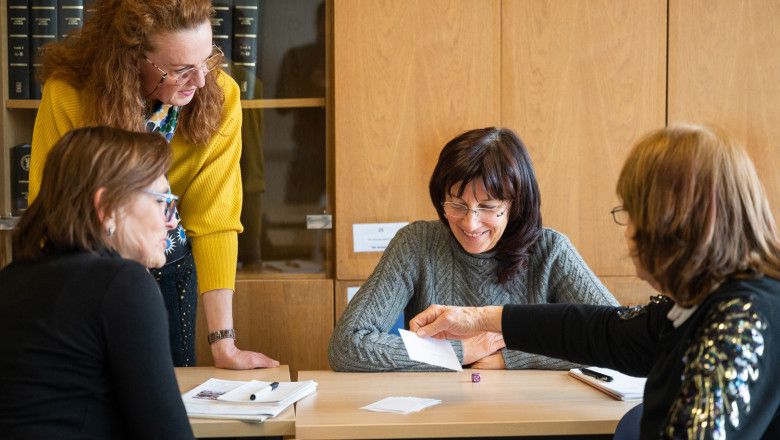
(700, 231)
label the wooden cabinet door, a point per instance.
(580, 82)
(724, 69)
(409, 76)
(288, 320)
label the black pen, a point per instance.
(597, 375)
(258, 392)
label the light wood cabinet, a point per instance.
(408, 75)
(581, 81)
(724, 69)
(287, 320)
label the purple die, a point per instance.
(475, 377)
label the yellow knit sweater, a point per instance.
(207, 178)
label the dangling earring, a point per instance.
(110, 232)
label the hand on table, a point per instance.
(493, 362)
(481, 346)
(227, 355)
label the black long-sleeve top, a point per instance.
(715, 376)
(84, 352)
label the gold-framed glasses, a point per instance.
(459, 210)
(620, 215)
(168, 199)
(185, 74)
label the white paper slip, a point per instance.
(432, 351)
(401, 405)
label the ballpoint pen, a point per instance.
(265, 389)
(597, 375)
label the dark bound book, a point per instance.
(70, 17)
(246, 37)
(18, 49)
(43, 29)
(20, 175)
(222, 29)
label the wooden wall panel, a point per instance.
(724, 69)
(581, 81)
(409, 76)
(289, 320)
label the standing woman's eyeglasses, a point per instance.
(183, 75)
(169, 200)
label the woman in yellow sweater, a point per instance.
(150, 65)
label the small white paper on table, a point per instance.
(432, 351)
(401, 405)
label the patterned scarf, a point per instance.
(163, 120)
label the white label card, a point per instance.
(374, 237)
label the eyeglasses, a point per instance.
(458, 210)
(620, 215)
(181, 76)
(168, 199)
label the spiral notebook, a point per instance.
(621, 387)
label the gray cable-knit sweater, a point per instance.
(424, 264)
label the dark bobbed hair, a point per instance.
(81, 162)
(499, 159)
(699, 210)
(99, 59)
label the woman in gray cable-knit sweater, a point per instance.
(489, 248)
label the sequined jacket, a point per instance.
(713, 377)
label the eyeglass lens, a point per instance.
(210, 64)
(620, 215)
(458, 211)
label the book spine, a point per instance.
(70, 17)
(222, 29)
(43, 29)
(18, 49)
(20, 174)
(245, 39)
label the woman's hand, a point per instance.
(218, 306)
(482, 346)
(493, 362)
(227, 355)
(449, 322)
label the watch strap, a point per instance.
(221, 334)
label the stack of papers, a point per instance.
(621, 387)
(401, 405)
(229, 399)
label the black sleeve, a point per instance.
(136, 330)
(586, 334)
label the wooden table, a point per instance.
(281, 425)
(504, 403)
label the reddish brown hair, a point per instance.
(101, 60)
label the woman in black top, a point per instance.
(700, 231)
(85, 352)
